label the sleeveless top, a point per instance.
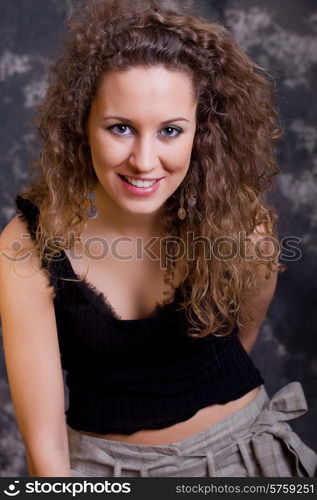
(128, 375)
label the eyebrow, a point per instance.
(126, 120)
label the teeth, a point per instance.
(139, 183)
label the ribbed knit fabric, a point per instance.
(128, 375)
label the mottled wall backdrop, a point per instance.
(280, 35)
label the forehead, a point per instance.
(142, 88)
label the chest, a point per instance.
(133, 287)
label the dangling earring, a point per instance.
(181, 211)
(191, 202)
(92, 211)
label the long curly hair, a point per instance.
(232, 162)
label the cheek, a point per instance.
(107, 153)
(181, 159)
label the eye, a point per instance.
(119, 129)
(171, 132)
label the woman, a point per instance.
(157, 151)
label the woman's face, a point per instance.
(141, 126)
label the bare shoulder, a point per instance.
(17, 249)
(265, 241)
(15, 234)
(20, 261)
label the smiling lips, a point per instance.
(138, 178)
(140, 187)
(140, 182)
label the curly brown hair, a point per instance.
(232, 163)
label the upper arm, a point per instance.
(254, 308)
(30, 341)
(266, 247)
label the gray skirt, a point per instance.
(255, 441)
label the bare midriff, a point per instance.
(203, 419)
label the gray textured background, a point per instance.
(280, 35)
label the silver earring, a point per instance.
(181, 211)
(190, 196)
(191, 202)
(92, 210)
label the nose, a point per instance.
(144, 155)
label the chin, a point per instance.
(141, 211)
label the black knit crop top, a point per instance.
(128, 375)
